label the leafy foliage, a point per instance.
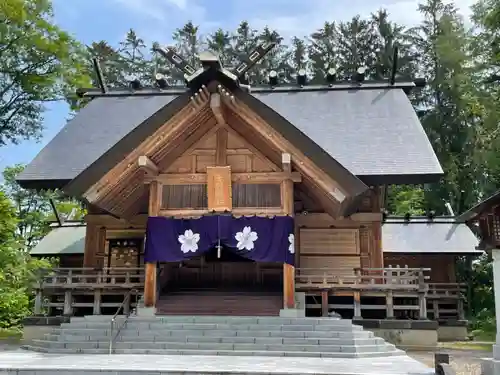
(38, 63)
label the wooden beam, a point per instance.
(145, 163)
(287, 203)
(237, 211)
(155, 200)
(215, 106)
(165, 135)
(242, 178)
(221, 150)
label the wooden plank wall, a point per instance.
(342, 244)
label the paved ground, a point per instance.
(465, 362)
(397, 365)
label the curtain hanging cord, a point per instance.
(218, 238)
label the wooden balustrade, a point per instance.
(74, 278)
(367, 278)
(392, 284)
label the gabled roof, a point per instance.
(63, 240)
(480, 208)
(374, 133)
(421, 236)
(90, 134)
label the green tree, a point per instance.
(17, 269)
(38, 63)
(33, 210)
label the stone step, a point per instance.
(265, 353)
(214, 339)
(214, 346)
(219, 327)
(89, 332)
(217, 319)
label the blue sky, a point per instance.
(154, 20)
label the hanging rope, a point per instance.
(218, 238)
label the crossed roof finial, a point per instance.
(211, 60)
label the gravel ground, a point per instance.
(464, 362)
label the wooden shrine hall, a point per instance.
(218, 198)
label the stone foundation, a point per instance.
(405, 334)
(452, 330)
(35, 327)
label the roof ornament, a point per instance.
(210, 60)
(100, 76)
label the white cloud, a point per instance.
(303, 23)
(159, 18)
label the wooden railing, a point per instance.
(392, 284)
(367, 278)
(73, 278)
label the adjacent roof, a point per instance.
(373, 132)
(419, 235)
(481, 207)
(63, 240)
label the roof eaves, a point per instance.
(127, 144)
(479, 208)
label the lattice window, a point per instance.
(184, 196)
(256, 195)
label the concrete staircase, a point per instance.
(218, 335)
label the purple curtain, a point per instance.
(262, 239)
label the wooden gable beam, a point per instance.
(145, 163)
(244, 178)
(215, 106)
(165, 135)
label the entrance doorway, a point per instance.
(220, 283)
(222, 269)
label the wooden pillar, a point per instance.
(287, 203)
(435, 307)
(357, 305)
(460, 308)
(324, 303)
(389, 302)
(97, 302)
(91, 244)
(155, 200)
(38, 302)
(68, 303)
(422, 295)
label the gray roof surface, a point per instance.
(63, 240)
(370, 132)
(420, 236)
(93, 131)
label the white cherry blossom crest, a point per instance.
(246, 239)
(189, 241)
(291, 239)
